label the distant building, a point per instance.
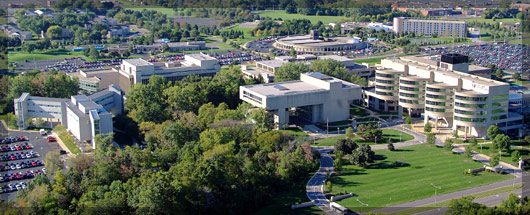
(83, 116)
(172, 46)
(134, 71)
(430, 27)
(313, 43)
(315, 97)
(118, 31)
(265, 70)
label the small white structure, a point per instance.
(84, 116)
(320, 97)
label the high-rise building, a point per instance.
(430, 27)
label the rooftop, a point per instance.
(334, 57)
(200, 56)
(272, 63)
(138, 62)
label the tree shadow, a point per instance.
(341, 181)
(388, 165)
(379, 157)
(403, 150)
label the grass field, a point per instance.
(490, 21)
(393, 135)
(406, 175)
(525, 41)
(168, 11)
(506, 157)
(42, 55)
(281, 202)
(246, 32)
(314, 19)
(371, 61)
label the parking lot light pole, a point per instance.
(435, 189)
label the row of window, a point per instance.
(384, 81)
(458, 104)
(494, 118)
(384, 75)
(409, 101)
(409, 82)
(435, 90)
(475, 99)
(434, 96)
(252, 97)
(409, 95)
(409, 88)
(384, 93)
(497, 104)
(463, 119)
(471, 113)
(438, 110)
(50, 112)
(384, 87)
(435, 103)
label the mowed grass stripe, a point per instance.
(379, 187)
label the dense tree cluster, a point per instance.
(513, 205)
(202, 157)
(292, 71)
(370, 132)
(51, 84)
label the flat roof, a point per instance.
(38, 98)
(335, 57)
(138, 62)
(288, 87)
(272, 63)
(199, 56)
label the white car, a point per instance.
(24, 185)
(44, 171)
(18, 166)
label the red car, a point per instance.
(51, 139)
(22, 138)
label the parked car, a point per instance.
(51, 139)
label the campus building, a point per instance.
(430, 27)
(138, 70)
(438, 89)
(91, 81)
(265, 70)
(314, 98)
(83, 116)
(313, 43)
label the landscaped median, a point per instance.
(392, 134)
(66, 138)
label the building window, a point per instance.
(463, 119)
(476, 99)
(435, 89)
(458, 104)
(252, 97)
(409, 88)
(438, 110)
(434, 96)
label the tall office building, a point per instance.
(430, 27)
(438, 88)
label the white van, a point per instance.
(42, 132)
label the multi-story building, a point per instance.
(430, 27)
(83, 116)
(91, 81)
(315, 97)
(134, 71)
(438, 89)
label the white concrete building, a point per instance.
(450, 28)
(315, 97)
(134, 71)
(83, 116)
(442, 91)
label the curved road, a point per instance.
(315, 185)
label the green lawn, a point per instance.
(295, 131)
(506, 156)
(314, 19)
(168, 11)
(43, 55)
(358, 112)
(281, 202)
(246, 32)
(406, 175)
(393, 135)
(525, 41)
(371, 61)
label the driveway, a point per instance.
(315, 185)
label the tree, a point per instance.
(512, 202)
(362, 156)
(501, 142)
(390, 147)
(349, 133)
(464, 205)
(428, 127)
(431, 138)
(146, 102)
(493, 131)
(262, 121)
(114, 54)
(516, 76)
(499, 74)
(494, 160)
(449, 144)
(93, 53)
(473, 141)
(347, 146)
(39, 123)
(370, 132)
(408, 120)
(53, 162)
(290, 71)
(293, 52)
(54, 32)
(469, 151)
(516, 155)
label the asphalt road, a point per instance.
(315, 184)
(40, 146)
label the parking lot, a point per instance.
(505, 56)
(40, 147)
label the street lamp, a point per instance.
(435, 189)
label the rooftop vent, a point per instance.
(280, 87)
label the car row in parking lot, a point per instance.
(18, 156)
(21, 165)
(16, 147)
(9, 140)
(12, 187)
(29, 174)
